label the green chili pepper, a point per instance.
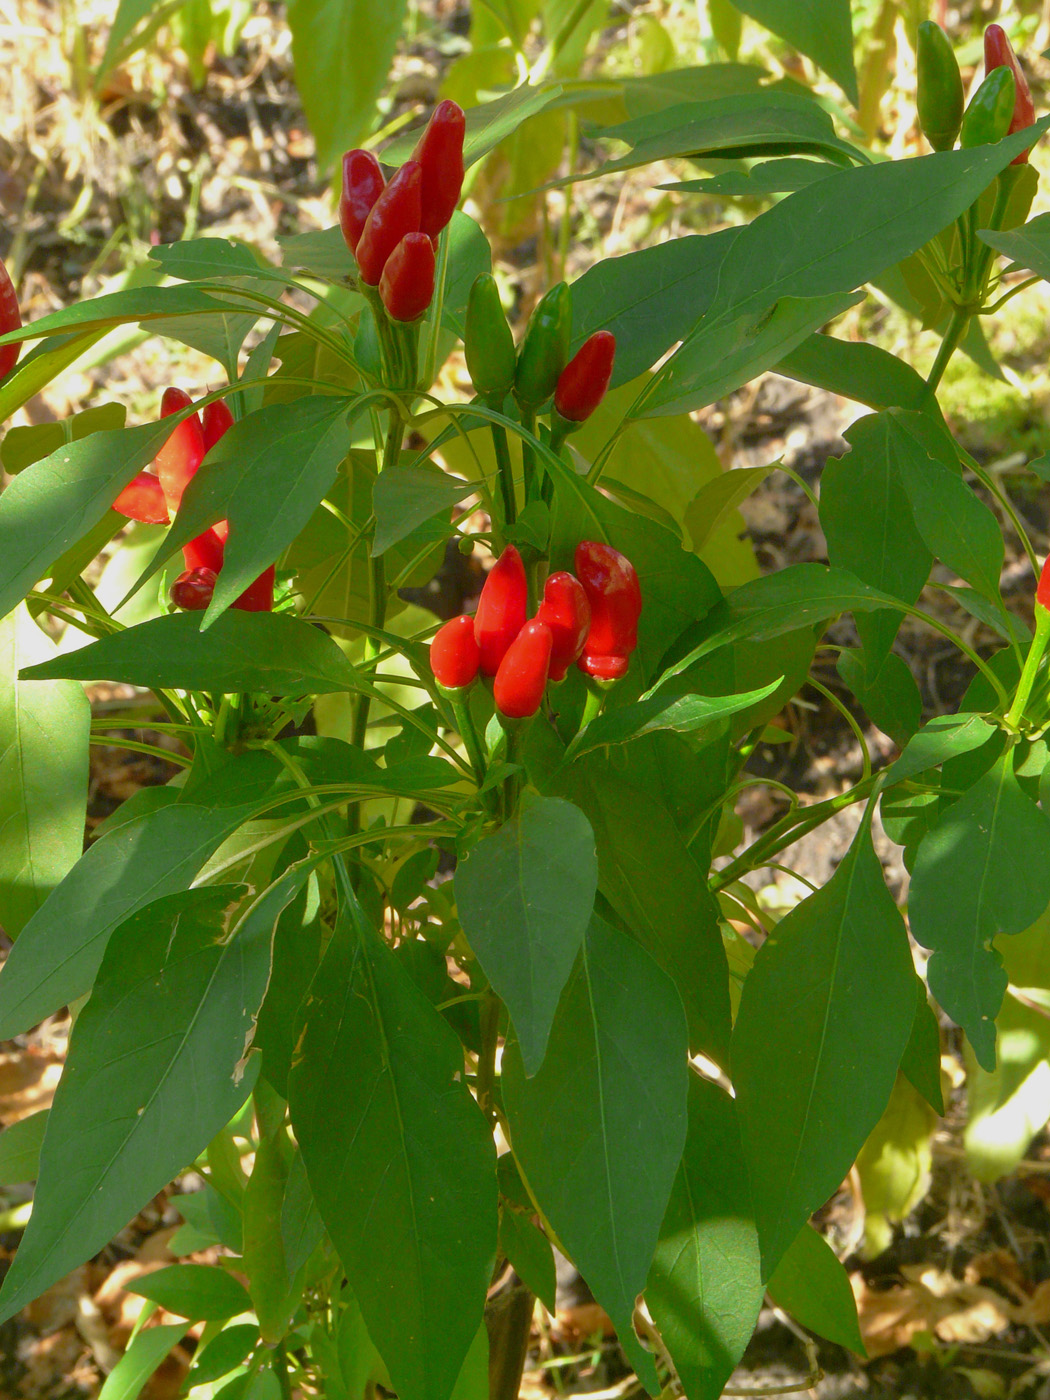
(940, 94)
(991, 110)
(545, 349)
(489, 344)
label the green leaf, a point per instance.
(404, 498)
(119, 308)
(869, 527)
(21, 447)
(37, 369)
(799, 596)
(20, 1149)
(342, 56)
(1028, 246)
(823, 242)
(198, 1291)
(894, 1166)
(766, 178)
(718, 498)
(154, 1071)
(983, 869)
(825, 1014)
(525, 896)
(141, 1359)
(892, 699)
(222, 1354)
(857, 370)
(820, 29)
(649, 875)
(811, 1285)
(43, 775)
(687, 714)
(528, 1249)
(599, 1130)
(705, 1285)
(487, 124)
(266, 476)
(51, 505)
(921, 1061)
(195, 258)
(275, 653)
(400, 1160)
(945, 736)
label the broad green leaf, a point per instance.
(825, 241)
(152, 857)
(825, 1014)
(489, 123)
(20, 1149)
(469, 255)
(296, 952)
(1028, 246)
(301, 1226)
(599, 1130)
(983, 869)
(271, 652)
(955, 525)
(118, 308)
(999, 619)
(51, 505)
(820, 29)
(869, 526)
(525, 896)
(266, 476)
(528, 1249)
(892, 699)
(198, 1291)
(650, 877)
(945, 736)
(921, 1061)
(209, 257)
(768, 177)
(154, 1071)
(799, 596)
(696, 84)
(811, 1285)
(705, 1285)
(894, 1165)
(400, 1159)
(342, 56)
(718, 498)
(406, 497)
(43, 775)
(222, 1354)
(686, 714)
(142, 1358)
(857, 370)
(21, 447)
(45, 363)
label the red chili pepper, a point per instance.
(1042, 592)
(183, 452)
(192, 590)
(363, 183)
(439, 152)
(584, 380)
(258, 596)
(454, 654)
(522, 674)
(613, 592)
(567, 612)
(143, 499)
(216, 421)
(205, 551)
(502, 609)
(407, 283)
(395, 213)
(10, 320)
(999, 53)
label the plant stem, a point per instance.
(1031, 667)
(954, 334)
(528, 454)
(377, 586)
(490, 1009)
(506, 472)
(460, 701)
(508, 1320)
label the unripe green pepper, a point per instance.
(991, 110)
(940, 87)
(489, 343)
(545, 350)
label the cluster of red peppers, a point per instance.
(155, 497)
(10, 320)
(589, 619)
(1000, 106)
(392, 229)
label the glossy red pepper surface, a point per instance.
(407, 283)
(583, 382)
(179, 458)
(522, 675)
(567, 612)
(192, 590)
(143, 499)
(439, 152)
(615, 596)
(502, 609)
(454, 654)
(258, 596)
(363, 183)
(395, 213)
(999, 53)
(215, 421)
(10, 320)
(1042, 592)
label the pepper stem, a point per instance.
(1031, 667)
(459, 699)
(506, 472)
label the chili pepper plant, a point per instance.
(429, 958)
